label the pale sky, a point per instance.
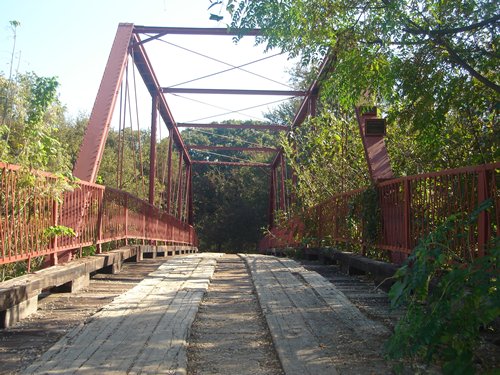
(72, 39)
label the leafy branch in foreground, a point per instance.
(448, 302)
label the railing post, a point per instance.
(179, 188)
(190, 201)
(157, 219)
(483, 227)
(406, 215)
(99, 222)
(169, 173)
(271, 198)
(364, 247)
(53, 241)
(144, 213)
(282, 184)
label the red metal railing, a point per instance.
(409, 208)
(30, 217)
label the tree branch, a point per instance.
(457, 59)
(441, 32)
(454, 56)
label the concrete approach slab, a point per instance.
(143, 331)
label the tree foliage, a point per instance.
(447, 302)
(31, 119)
(33, 114)
(230, 203)
(326, 155)
(431, 66)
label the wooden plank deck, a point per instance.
(316, 330)
(143, 331)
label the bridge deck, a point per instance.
(142, 331)
(314, 327)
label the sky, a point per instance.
(71, 40)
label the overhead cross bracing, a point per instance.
(178, 75)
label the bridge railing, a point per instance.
(407, 209)
(33, 222)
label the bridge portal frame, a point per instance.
(127, 42)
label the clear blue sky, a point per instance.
(72, 40)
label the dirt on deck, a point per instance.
(230, 335)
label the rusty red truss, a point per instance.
(179, 90)
(129, 48)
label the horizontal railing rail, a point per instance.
(407, 209)
(34, 218)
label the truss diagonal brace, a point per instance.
(147, 73)
(92, 148)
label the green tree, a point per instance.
(32, 119)
(431, 67)
(327, 156)
(230, 202)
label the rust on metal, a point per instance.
(411, 207)
(272, 197)
(152, 149)
(96, 213)
(146, 71)
(376, 154)
(169, 172)
(90, 155)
